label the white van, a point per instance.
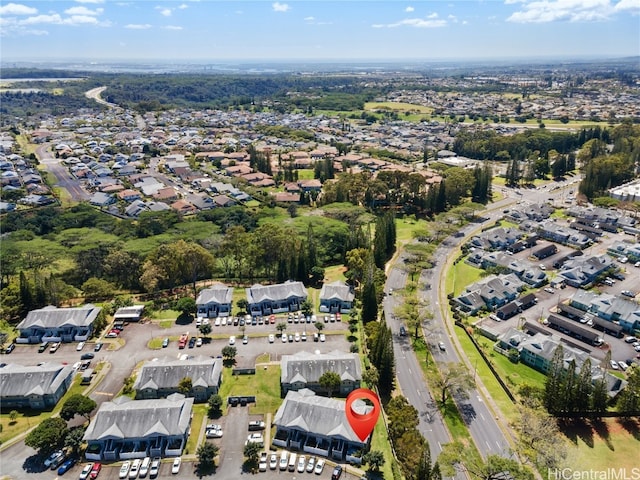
(293, 462)
(284, 460)
(144, 467)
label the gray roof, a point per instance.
(220, 294)
(21, 380)
(53, 317)
(304, 410)
(259, 293)
(309, 367)
(167, 373)
(337, 290)
(132, 312)
(127, 418)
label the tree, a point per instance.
(455, 380)
(553, 383)
(281, 327)
(307, 307)
(48, 436)
(13, 416)
(185, 385)
(97, 289)
(539, 439)
(369, 302)
(215, 406)
(206, 455)
(77, 404)
(252, 454)
(243, 305)
(229, 353)
(629, 400)
(319, 326)
(330, 381)
(375, 460)
(186, 306)
(205, 329)
(370, 376)
(426, 470)
(455, 457)
(73, 440)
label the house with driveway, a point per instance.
(161, 378)
(53, 324)
(124, 428)
(38, 387)
(317, 425)
(336, 297)
(491, 292)
(582, 271)
(304, 369)
(278, 298)
(215, 301)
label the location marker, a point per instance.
(364, 419)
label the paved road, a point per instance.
(63, 176)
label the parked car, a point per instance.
(98, 347)
(232, 340)
(337, 472)
(135, 468)
(86, 470)
(175, 467)
(284, 460)
(310, 464)
(284, 338)
(95, 470)
(80, 346)
(273, 461)
(255, 438)
(630, 339)
(10, 348)
(87, 356)
(165, 343)
(192, 342)
(322, 337)
(614, 364)
(441, 346)
(43, 346)
(262, 465)
(144, 467)
(155, 467)
(199, 342)
(245, 340)
(302, 463)
(319, 466)
(53, 457)
(297, 336)
(628, 293)
(124, 470)
(256, 425)
(54, 348)
(215, 432)
(272, 338)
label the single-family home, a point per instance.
(161, 378)
(37, 387)
(336, 297)
(125, 428)
(53, 324)
(215, 301)
(317, 425)
(278, 298)
(304, 369)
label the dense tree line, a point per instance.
(380, 344)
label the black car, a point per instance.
(192, 342)
(87, 356)
(97, 347)
(337, 472)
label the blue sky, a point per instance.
(211, 30)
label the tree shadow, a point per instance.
(184, 319)
(34, 464)
(205, 470)
(467, 412)
(602, 430)
(631, 425)
(575, 429)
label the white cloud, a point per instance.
(409, 9)
(432, 15)
(309, 19)
(138, 26)
(83, 11)
(543, 11)
(166, 12)
(183, 6)
(173, 27)
(90, 1)
(280, 7)
(17, 9)
(414, 22)
(633, 5)
(57, 19)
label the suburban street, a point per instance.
(64, 179)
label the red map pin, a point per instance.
(363, 420)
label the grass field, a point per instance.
(199, 412)
(265, 385)
(460, 276)
(405, 227)
(398, 107)
(607, 444)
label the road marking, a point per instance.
(482, 417)
(409, 370)
(104, 393)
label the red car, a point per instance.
(95, 470)
(272, 319)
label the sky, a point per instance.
(383, 30)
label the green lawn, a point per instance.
(405, 227)
(265, 385)
(305, 174)
(380, 442)
(199, 412)
(398, 106)
(334, 273)
(461, 275)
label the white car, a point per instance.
(199, 342)
(232, 340)
(53, 457)
(175, 468)
(284, 338)
(245, 340)
(273, 461)
(262, 465)
(255, 438)
(155, 467)
(86, 470)
(302, 463)
(135, 468)
(319, 466)
(214, 432)
(124, 470)
(623, 365)
(284, 460)
(614, 364)
(272, 338)
(223, 321)
(322, 337)
(297, 337)
(310, 464)
(80, 346)
(217, 322)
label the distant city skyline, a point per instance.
(211, 30)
